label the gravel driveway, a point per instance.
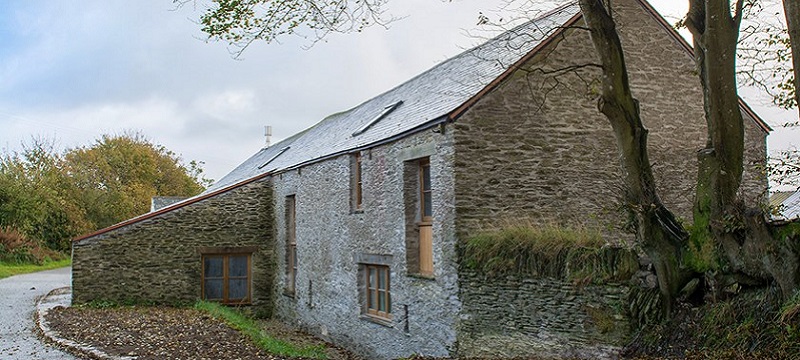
(18, 295)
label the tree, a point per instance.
(766, 50)
(51, 198)
(35, 196)
(764, 53)
(241, 23)
(116, 177)
(792, 11)
(659, 234)
(745, 250)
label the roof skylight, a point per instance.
(275, 156)
(380, 116)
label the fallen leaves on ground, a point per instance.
(161, 333)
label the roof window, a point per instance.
(275, 156)
(374, 121)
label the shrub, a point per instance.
(16, 248)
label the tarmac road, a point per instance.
(18, 296)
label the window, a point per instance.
(426, 203)
(226, 278)
(419, 217)
(378, 302)
(291, 245)
(356, 192)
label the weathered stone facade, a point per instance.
(158, 259)
(332, 240)
(552, 159)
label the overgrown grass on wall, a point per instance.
(549, 251)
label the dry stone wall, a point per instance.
(513, 316)
(158, 260)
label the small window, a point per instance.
(426, 203)
(377, 292)
(226, 278)
(418, 201)
(291, 245)
(357, 193)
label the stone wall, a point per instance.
(332, 240)
(552, 159)
(512, 316)
(157, 259)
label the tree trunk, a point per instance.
(659, 234)
(791, 9)
(746, 250)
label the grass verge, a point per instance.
(11, 269)
(249, 327)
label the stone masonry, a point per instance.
(332, 240)
(158, 260)
(537, 151)
(552, 159)
(513, 316)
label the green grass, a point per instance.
(11, 269)
(249, 327)
(548, 251)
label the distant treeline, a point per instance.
(48, 197)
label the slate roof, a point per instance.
(426, 98)
(787, 205)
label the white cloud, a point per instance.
(226, 103)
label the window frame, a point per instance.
(291, 245)
(424, 193)
(374, 310)
(226, 278)
(358, 182)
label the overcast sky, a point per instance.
(74, 71)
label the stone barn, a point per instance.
(354, 228)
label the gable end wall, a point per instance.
(553, 159)
(157, 260)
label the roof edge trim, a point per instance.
(455, 114)
(430, 124)
(170, 208)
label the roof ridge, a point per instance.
(541, 17)
(423, 110)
